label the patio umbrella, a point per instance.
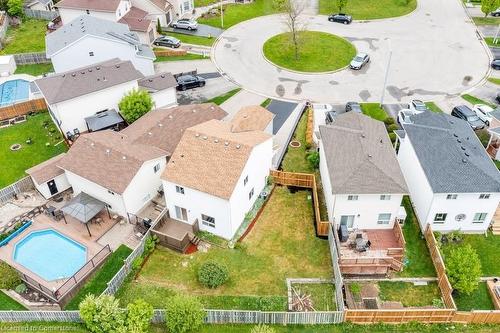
(84, 207)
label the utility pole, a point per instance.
(495, 40)
(386, 72)
(221, 15)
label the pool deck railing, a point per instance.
(15, 233)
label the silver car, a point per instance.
(185, 24)
(359, 61)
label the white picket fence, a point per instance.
(22, 185)
(28, 316)
(339, 283)
(41, 14)
(31, 58)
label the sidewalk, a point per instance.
(241, 99)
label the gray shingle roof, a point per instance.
(451, 155)
(157, 82)
(360, 157)
(86, 80)
(89, 25)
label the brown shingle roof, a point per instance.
(360, 157)
(136, 19)
(47, 170)
(86, 80)
(108, 158)
(162, 4)
(251, 118)
(163, 128)
(158, 82)
(98, 5)
(210, 157)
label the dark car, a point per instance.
(167, 41)
(465, 113)
(353, 106)
(497, 98)
(495, 64)
(340, 18)
(185, 82)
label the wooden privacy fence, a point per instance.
(20, 109)
(400, 316)
(9, 192)
(305, 180)
(169, 53)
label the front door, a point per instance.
(169, 19)
(347, 220)
(52, 187)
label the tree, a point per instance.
(212, 274)
(313, 159)
(184, 314)
(341, 4)
(158, 27)
(139, 315)
(102, 314)
(293, 10)
(9, 279)
(487, 6)
(463, 268)
(135, 104)
(15, 8)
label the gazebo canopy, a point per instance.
(83, 207)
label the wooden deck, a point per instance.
(175, 234)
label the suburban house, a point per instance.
(453, 182)
(87, 40)
(493, 147)
(72, 97)
(217, 172)
(363, 188)
(183, 8)
(158, 10)
(48, 178)
(46, 5)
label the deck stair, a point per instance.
(194, 239)
(495, 226)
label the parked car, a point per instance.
(483, 112)
(418, 106)
(497, 98)
(495, 64)
(167, 41)
(185, 24)
(465, 113)
(404, 115)
(340, 18)
(496, 12)
(353, 106)
(359, 61)
(185, 82)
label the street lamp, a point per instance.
(386, 72)
(221, 16)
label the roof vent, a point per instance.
(464, 160)
(463, 148)
(363, 136)
(459, 141)
(182, 155)
(205, 137)
(455, 135)
(124, 157)
(197, 135)
(82, 72)
(104, 78)
(212, 108)
(226, 143)
(160, 125)
(108, 151)
(98, 68)
(90, 70)
(149, 133)
(64, 75)
(238, 146)
(467, 154)
(73, 75)
(216, 140)
(194, 110)
(117, 66)
(370, 155)
(381, 141)
(150, 80)
(92, 144)
(162, 76)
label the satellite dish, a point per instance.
(460, 217)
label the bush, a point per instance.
(392, 137)
(184, 314)
(392, 127)
(150, 245)
(463, 268)
(261, 328)
(102, 314)
(20, 289)
(139, 315)
(212, 274)
(389, 121)
(135, 104)
(313, 159)
(15, 8)
(9, 279)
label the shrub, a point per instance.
(139, 315)
(9, 279)
(135, 104)
(313, 159)
(392, 137)
(438, 303)
(150, 245)
(463, 268)
(20, 289)
(15, 8)
(184, 314)
(136, 264)
(102, 314)
(389, 121)
(261, 328)
(392, 127)
(212, 274)
(271, 303)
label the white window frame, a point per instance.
(245, 181)
(385, 197)
(384, 221)
(178, 213)
(348, 219)
(484, 196)
(440, 218)
(156, 168)
(179, 189)
(352, 197)
(479, 218)
(91, 53)
(451, 197)
(208, 221)
(250, 194)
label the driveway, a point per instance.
(430, 60)
(203, 31)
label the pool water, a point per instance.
(50, 254)
(13, 91)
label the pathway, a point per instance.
(241, 99)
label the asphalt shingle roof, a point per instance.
(451, 155)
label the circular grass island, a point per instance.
(318, 52)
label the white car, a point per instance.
(187, 24)
(404, 115)
(483, 112)
(418, 106)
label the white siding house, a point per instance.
(157, 10)
(453, 182)
(48, 179)
(110, 10)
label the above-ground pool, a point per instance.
(50, 254)
(13, 91)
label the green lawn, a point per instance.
(282, 244)
(7, 303)
(189, 39)
(32, 154)
(370, 9)
(409, 294)
(203, 3)
(224, 97)
(486, 20)
(266, 103)
(35, 70)
(187, 56)
(417, 261)
(494, 80)
(98, 282)
(318, 52)
(236, 13)
(28, 37)
(497, 163)
(474, 100)
(433, 107)
(489, 42)
(374, 110)
(478, 300)
(295, 158)
(322, 295)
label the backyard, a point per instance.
(478, 300)
(370, 9)
(46, 142)
(28, 37)
(7, 303)
(35, 70)
(281, 244)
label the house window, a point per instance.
(207, 220)
(484, 196)
(111, 192)
(384, 218)
(179, 189)
(186, 5)
(91, 54)
(347, 220)
(156, 168)
(352, 197)
(146, 197)
(479, 218)
(181, 213)
(88, 12)
(451, 197)
(250, 195)
(245, 181)
(440, 218)
(385, 197)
